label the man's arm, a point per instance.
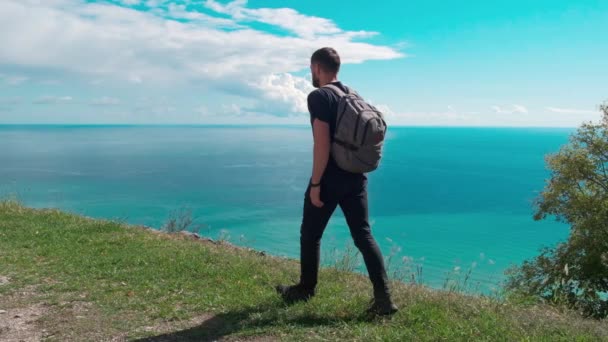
(322, 144)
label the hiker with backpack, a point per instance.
(348, 135)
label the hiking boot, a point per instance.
(382, 306)
(294, 293)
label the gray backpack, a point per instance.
(359, 135)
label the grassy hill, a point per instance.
(67, 277)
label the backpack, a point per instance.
(359, 133)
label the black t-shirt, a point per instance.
(323, 105)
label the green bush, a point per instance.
(574, 272)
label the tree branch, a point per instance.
(598, 183)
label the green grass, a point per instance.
(99, 280)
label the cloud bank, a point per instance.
(169, 42)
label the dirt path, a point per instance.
(19, 321)
(24, 317)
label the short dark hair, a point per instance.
(328, 58)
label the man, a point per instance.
(329, 187)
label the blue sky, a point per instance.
(447, 63)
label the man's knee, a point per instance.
(309, 235)
(362, 238)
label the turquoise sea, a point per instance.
(445, 199)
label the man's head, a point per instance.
(324, 66)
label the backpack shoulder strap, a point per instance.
(336, 90)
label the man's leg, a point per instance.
(314, 221)
(355, 209)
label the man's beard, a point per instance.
(315, 82)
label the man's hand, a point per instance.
(315, 197)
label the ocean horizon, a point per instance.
(445, 199)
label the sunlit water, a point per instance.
(445, 199)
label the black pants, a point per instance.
(350, 193)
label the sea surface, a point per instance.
(445, 201)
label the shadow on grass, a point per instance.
(262, 318)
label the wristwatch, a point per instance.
(312, 185)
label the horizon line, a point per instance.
(260, 125)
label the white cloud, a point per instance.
(154, 3)
(53, 100)
(512, 109)
(232, 109)
(284, 93)
(571, 111)
(155, 109)
(13, 80)
(449, 117)
(386, 110)
(105, 101)
(116, 43)
(520, 109)
(203, 111)
(231, 7)
(236, 114)
(279, 95)
(130, 2)
(286, 18)
(414, 118)
(476, 118)
(176, 11)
